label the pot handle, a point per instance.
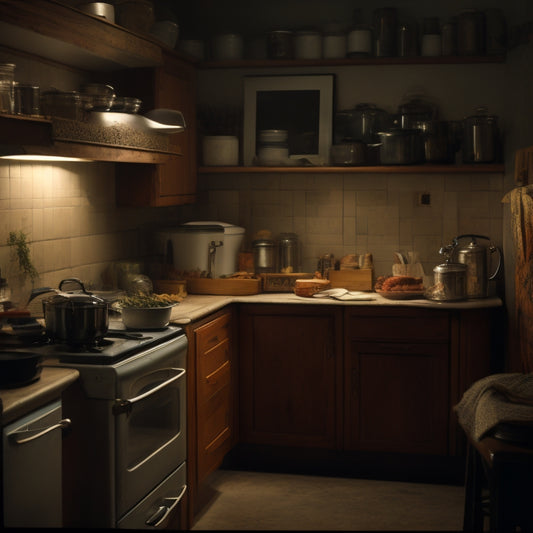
(493, 249)
(73, 280)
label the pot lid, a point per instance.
(75, 297)
(211, 226)
(450, 267)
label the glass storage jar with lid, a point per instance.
(7, 88)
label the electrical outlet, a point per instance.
(424, 198)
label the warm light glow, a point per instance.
(28, 157)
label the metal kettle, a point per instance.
(476, 257)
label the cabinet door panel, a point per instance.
(398, 397)
(288, 381)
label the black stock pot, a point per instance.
(75, 317)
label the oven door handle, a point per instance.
(125, 406)
(164, 510)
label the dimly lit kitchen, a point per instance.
(266, 265)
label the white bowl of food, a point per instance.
(145, 311)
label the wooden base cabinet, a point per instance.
(212, 429)
(290, 370)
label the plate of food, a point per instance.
(401, 295)
(400, 287)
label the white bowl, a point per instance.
(146, 317)
(99, 9)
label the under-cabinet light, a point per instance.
(36, 157)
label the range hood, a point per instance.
(103, 136)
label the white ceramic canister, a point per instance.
(220, 150)
(360, 41)
(227, 46)
(193, 47)
(431, 45)
(308, 45)
(334, 46)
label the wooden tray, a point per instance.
(223, 286)
(282, 282)
(354, 280)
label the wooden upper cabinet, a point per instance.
(171, 86)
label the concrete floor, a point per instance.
(244, 500)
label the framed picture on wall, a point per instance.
(300, 105)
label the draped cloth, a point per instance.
(521, 200)
(496, 399)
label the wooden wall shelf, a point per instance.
(351, 61)
(389, 169)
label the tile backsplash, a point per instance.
(68, 211)
(345, 213)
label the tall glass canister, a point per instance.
(7, 88)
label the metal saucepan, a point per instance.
(401, 146)
(76, 317)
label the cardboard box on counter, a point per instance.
(359, 279)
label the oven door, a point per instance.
(150, 421)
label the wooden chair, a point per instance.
(499, 481)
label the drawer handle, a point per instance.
(18, 438)
(164, 510)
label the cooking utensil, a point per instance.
(351, 153)
(401, 146)
(476, 258)
(449, 282)
(75, 317)
(146, 317)
(19, 368)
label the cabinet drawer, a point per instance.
(213, 333)
(412, 327)
(215, 415)
(212, 383)
(215, 433)
(209, 361)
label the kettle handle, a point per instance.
(493, 249)
(456, 239)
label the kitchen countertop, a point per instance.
(196, 306)
(17, 402)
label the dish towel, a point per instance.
(495, 399)
(344, 294)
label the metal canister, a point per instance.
(450, 282)
(264, 256)
(471, 33)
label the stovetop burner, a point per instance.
(118, 344)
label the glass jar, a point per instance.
(415, 110)
(7, 88)
(280, 44)
(367, 121)
(407, 39)
(431, 38)
(471, 33)
(288, 253)
(385, 25)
